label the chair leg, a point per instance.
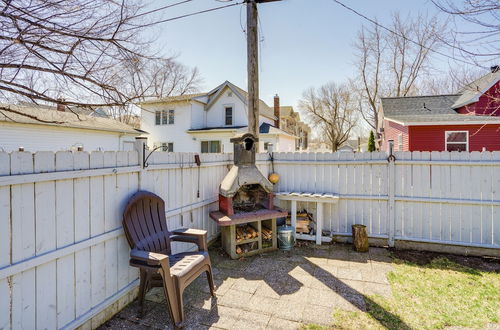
(180, 302)
(142, 291)
(174, 303)
(210, 281)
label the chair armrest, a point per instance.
(151, 258)
(189, 232)
(196, 236)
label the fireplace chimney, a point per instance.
(277, 111)
(60, 105)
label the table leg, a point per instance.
(319, 222)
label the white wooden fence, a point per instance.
(64, 258)
(63, 255)
(435, 197)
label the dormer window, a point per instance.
(228, 116)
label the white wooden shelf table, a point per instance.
(320, 200)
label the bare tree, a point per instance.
(369, 51)
(391, 61)
(480, 42)
(452, 82)
(153, 78)
(331, 109)
(77, 51)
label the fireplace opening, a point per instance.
(248, 144)
(250, 198)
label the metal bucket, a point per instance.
(286, 238)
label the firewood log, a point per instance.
(252, 231)
(238, 250)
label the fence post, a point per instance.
(391, 190)
(139, 146)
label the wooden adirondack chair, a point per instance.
(146, 229)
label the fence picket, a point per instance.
(45, 208)
(65, 235)
(97, 266)
(5, 243)
(23, 243)
(495, 186)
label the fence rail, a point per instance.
(63, 253)
(64, 258)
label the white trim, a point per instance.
(437, 123)
(466, 140)
(214, 130)
(477, 95)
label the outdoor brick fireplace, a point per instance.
(246, 199)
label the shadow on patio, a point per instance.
(279, 290)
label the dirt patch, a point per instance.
(423, 258)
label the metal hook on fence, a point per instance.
(144, 158)
(391, 157)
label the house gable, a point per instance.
(487, 103)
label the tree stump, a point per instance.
(360, 238)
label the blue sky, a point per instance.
(305, 42)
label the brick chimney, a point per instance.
(60, 105)
(277, 111)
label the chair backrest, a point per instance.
(145, 223)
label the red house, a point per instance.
(467, 121)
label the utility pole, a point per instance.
(253, 65)
(253, 68)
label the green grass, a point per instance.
(439, 294)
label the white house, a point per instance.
(45, 129)
(205, 122)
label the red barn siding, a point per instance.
(488, 103)
(391, 132)
(431, 138)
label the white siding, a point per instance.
(281, 143)
(192, 115)
(175, 133)
(286, 143)
(50, 138)
(198, 115)
(215, 115)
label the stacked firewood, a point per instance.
(245, 232)
(304, 220)
(244, 248)
(267, 233)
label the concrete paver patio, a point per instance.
(279, 290)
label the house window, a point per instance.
(164, 117)
(228, 116)
(266, 146)
(167, 146)
(210, 147)
(456, 140)
(171, 115)
(158, 118)
(400, 142)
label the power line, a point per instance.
(162, 8)
(184, 16)
(402, 36)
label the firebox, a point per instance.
(246, 198)
(245, 189)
